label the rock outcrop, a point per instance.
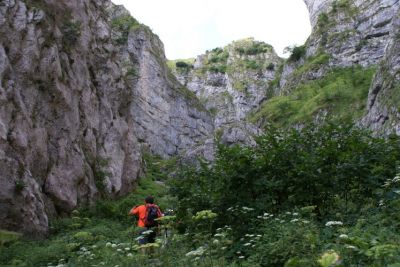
(384, 97)
(347, 32)
(232, 82)
(350, 34)
(84, 88)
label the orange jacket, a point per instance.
(141, 212)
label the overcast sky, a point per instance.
(190, 27)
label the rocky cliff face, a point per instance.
(384, 97)
(347, 32)
(232, 82)
(347, 36)
(83, 90)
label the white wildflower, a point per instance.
(198, 252)
(295, 214)
(351, 247)
(113, 245)
(130, 255)
(147, 232)
(247, 244)
(215, 241)
(241, 257)
(127, 249)
(343, 236)
(119, 250)
(108, 244)
(294, 220)
(333, 223)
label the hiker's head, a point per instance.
(149, 200)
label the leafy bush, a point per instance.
(71, 32)
(122, 25)
(181, 64)
(329, 167)
(218, 68)
(297, 53)
(254, 48)
(271, 66)
(323, 21)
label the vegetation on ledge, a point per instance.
(341, 94)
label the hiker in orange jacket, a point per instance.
(147, 214)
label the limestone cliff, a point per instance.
(347, 32)
(349, 40)
(232, 82)
(84, 88)
(384, 97)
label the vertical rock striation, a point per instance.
(384, 97)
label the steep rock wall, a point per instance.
(384, 97)
(83, 89)
(347, 32)
(232, 82)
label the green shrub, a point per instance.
(181, 64)
(323, 22)
(122, 25)
(218, 68)
(271, 66)
(19, 186)
(313, 166)
(254, 48)
(297, 53)
(71, 32)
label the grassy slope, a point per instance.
(342, 93)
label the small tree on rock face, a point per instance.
(296, 52)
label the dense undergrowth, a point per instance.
(320, 196)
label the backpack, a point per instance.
(151, 214)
